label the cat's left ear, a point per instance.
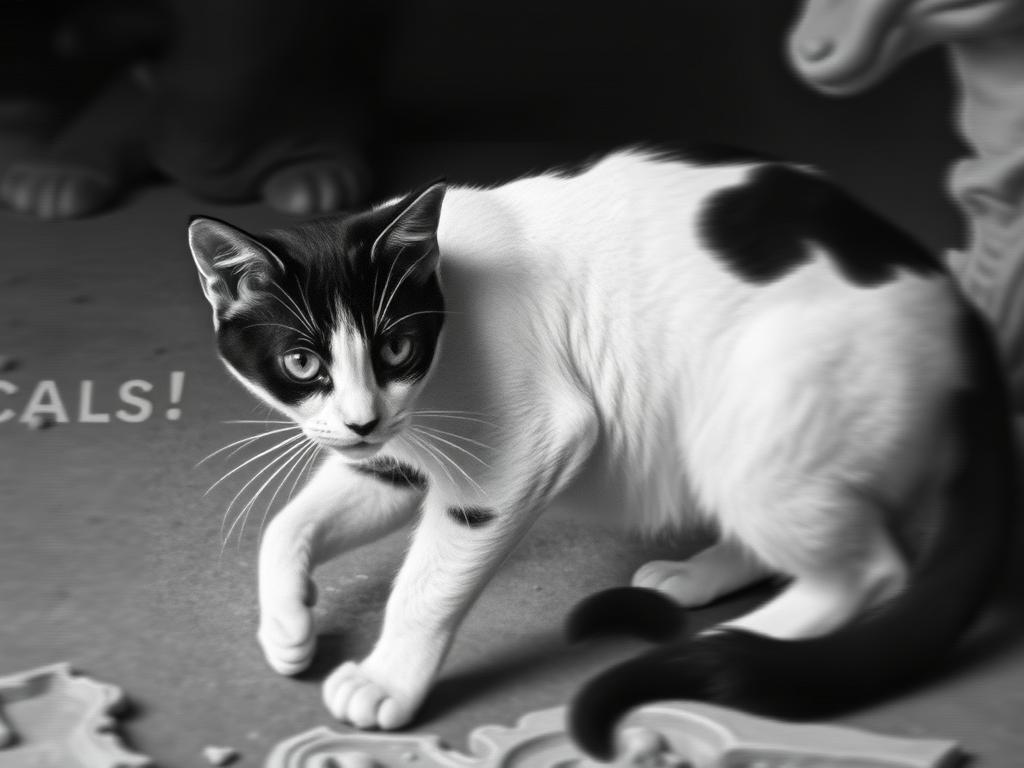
(232, 264)
(411, 237)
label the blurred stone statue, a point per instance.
(845, 46)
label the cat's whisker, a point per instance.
(432, 454)
(259, 421)
(228, 474)
(292, 311)
(431, 439)
(306, 320)
(455, 415)
(280, 461)
(449, 410)
(373, 299)
(422, 431)
(377, 314)
(242, 443)
(227, 510)
(303, 291)
(305, 469)
(292, 463)
(456, 436)
(303, 335)
(293, 308)
(393, 323)
(394, 291)
(427, 438)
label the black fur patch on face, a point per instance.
(471, 517)
(393, 472)
(329, 280)
(762, 229)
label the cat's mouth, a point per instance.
(357, 451)
(345, 446)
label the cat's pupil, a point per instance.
(301, 365)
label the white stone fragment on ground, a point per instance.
(356, 760)
(219, 756)
(641, 746)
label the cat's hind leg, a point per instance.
(719, 570)
(339, 509)
(448, 563)
(852, 565)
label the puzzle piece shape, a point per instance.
(52, 718)
(677, 735)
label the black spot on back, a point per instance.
(391, 471)
(471, 517)
(763, 227)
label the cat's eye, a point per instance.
(396, 350)
(301, 364)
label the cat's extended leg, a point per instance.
(453, 555)
(710, 574)
(339, 509)
(851, 568)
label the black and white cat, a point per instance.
(672, 342)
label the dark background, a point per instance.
(577, 77)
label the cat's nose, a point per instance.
(365, 428)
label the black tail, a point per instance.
(893, 646)
(643, 613)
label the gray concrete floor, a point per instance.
(110, 554)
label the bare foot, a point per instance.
(55, 191)
(315, 186)
(94, 162)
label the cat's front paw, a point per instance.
(358, 694)
(286, 632)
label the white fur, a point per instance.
(594, 351)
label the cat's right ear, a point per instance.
(411, 237)
(233, 266)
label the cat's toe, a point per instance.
(352, 695)
(56, 192)
(287, 639)
(18, 188)
(679, 580)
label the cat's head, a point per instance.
(334, 322)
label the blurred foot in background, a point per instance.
(236, 101)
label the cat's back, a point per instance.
(706, 242)
(744, 220)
